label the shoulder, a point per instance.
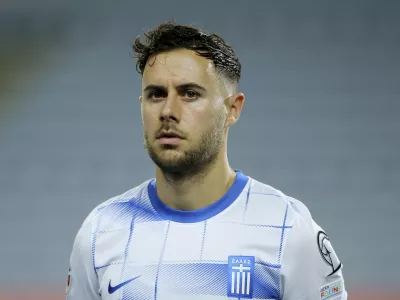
(130, 201)
(301, 235)
(273, 208)
(272, 203)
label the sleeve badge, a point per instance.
(327, 253)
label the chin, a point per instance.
(169, 160)
(170, 156)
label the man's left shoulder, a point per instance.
(268, 197)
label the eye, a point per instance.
(157, 94)
(190, 94)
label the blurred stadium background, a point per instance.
(321, 123)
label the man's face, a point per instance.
(183, 111)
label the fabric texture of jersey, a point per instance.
(254, 243)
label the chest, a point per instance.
(205, 260)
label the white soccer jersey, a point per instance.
(254, 243)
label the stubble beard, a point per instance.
(192, 164)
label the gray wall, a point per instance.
(321, 120)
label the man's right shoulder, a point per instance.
(136, 197)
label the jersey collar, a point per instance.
(202, 214)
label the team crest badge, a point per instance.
(240, 276)
(327, 253)
(68, 281)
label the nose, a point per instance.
(172, 109)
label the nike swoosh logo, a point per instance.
(113, 289)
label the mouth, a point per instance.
(169, 138)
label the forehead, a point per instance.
(177, 67)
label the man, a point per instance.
(200, 229)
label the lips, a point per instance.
(168, 135)
(169, 138)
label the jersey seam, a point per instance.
(285, 241)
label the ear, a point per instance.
(140, 99)
(234, 106)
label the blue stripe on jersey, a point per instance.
(202, 241)
(127, 247)
(94, 247)
(160, 261)
(247, 202)
(202, 214)
(196, 279)
(283, 233)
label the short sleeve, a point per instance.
(82, 278)
(310, 270)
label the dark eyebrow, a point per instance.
(153, 87)
(190, 85)
(185, 86)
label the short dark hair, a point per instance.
(170, 36)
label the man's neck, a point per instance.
(196, 193)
